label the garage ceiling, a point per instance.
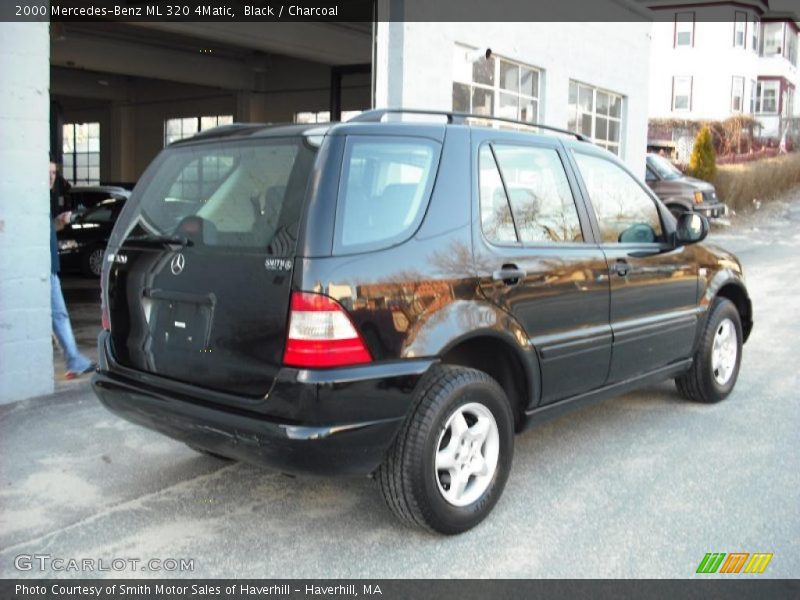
(232, 56)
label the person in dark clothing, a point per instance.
(59, 196)
(77, 363)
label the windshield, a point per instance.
(664, 168)
(226, 194)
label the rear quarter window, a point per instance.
(384, 189)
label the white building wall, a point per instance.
(415, 66)
(26, 351)
(712, 62)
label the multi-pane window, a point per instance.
(755, 28)
(525, 196)
(739, 29)
(780, 39)
(682, 93)
(684, 29)
(81, 150)
(322, 116)
(625, 212)
(753, 95)
(310, 116)
(596, 114)
(773, 38)
(180, 128)
(495, 86)
(737, 94)
(767, 97)
(791, 46)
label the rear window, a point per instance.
(231, 194)
(384, 190)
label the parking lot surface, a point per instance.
(639, 486)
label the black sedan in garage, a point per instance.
(82, 243)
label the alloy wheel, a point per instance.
(467, 454)
(724, 351)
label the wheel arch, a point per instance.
(501, 357)
(735, 292)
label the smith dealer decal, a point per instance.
(278, 264)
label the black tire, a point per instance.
(408, 477)
(700, 383)
(209, 453)
(92, 262)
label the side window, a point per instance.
(384, 190)
(649, 176)
(539, 193)
(625, 212)
(531, 201)
(496, 220)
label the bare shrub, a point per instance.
(739, 185)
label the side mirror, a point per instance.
(691, 228)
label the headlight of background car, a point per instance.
(698, 197)
(67, 244)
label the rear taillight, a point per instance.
(321, 334)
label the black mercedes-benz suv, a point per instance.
(396, 298)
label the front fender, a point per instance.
(726, 280)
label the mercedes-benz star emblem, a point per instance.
(177, 264)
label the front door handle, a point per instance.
(509, 274)
(621, 267)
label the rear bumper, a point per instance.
(372, 402)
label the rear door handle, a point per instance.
(509, 274)
(621, 267)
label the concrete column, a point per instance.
(389, 63)
(26, 352)
(123, 140)
(251, 107)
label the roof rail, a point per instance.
(456, 118)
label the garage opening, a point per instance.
(121, 92)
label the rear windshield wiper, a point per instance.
(157, 240)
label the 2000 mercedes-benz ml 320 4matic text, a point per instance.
(397, 298)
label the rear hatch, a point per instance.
(199, 282)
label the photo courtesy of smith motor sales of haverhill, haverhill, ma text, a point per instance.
(406, 299)
(172, 590)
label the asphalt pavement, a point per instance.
(640, 486)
